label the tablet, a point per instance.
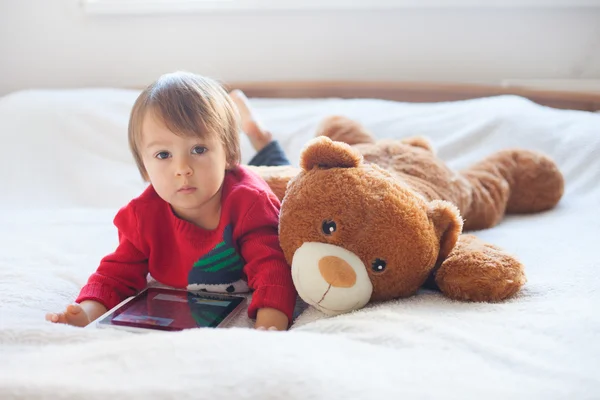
(165, 309)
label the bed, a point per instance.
(65, 170)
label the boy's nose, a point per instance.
(184, 169)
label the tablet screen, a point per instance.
(173, 310)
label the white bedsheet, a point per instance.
(65, 170)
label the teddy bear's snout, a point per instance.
(337, 272)
(330, 278)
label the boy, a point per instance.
(204, 222)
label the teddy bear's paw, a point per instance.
(478, 271)
(420, 142)
(536, 184)
(343, 129)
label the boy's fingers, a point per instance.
(55, 317)
(73, 309)
(73, 316)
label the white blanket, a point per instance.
(65, 170)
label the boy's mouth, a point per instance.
(186, 189)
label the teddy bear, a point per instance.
(365, 221)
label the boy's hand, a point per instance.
(271, 319)
(78, 314)
(74, 315)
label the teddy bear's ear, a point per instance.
(448, 225)
(323, 152)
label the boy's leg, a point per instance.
(269, 152)
(270, 155)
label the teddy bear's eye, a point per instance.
(378, 265)
(329, 227)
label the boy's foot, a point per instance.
(259, 137)
(73, 315)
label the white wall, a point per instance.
(53, 43)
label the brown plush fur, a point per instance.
(403, 205)
(276, 177)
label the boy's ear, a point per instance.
(448, 225)
(229, 165)
(145, 176)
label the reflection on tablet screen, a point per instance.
(173, 310)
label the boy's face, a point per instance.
(186, 172)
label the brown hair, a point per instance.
(188, 105)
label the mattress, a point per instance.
(65, 170)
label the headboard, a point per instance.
(415, 92)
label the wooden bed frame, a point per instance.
(415, 92)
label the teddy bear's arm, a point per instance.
(276, 177)
(479, 271)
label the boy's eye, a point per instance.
(161, 155)
(199, 150)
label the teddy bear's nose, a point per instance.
(337, 272)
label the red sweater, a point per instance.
(242, 252)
